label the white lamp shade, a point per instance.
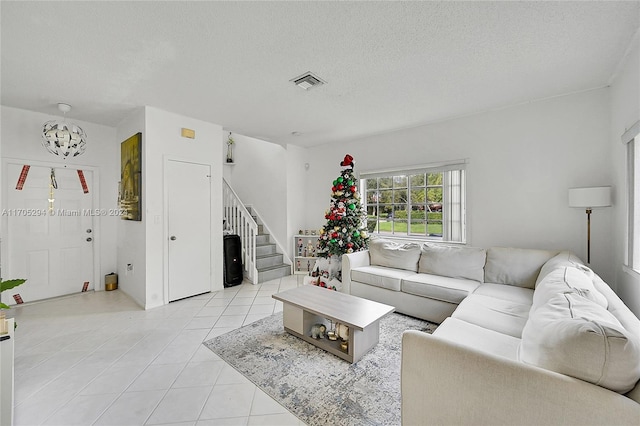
(599, 196)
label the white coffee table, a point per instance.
(308, 305)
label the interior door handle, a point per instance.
(89, 239)
(173, 238)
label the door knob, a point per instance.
(89, 239)
(173, 238)
(88, 231)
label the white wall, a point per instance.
(132, 234)
(522, 160)
(162, 141)
(259, 177)
(121, 242)
(21, 137)
(297, 177)
(625, 111)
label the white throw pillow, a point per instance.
(394, 255)
(453, 261)
(574, 336)
(567, 280)
(514, 266)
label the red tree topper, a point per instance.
(347, 162)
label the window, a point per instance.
(425, 202)
(632, 139)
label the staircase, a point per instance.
(260, 257)
(269, 263)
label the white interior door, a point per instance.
(52, 249)
(189, 225)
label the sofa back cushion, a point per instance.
(564, 258)
(574, 336)
(514, 266)
(453, 261)
(394, 255)
(567, 279)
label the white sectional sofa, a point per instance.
(525, 336)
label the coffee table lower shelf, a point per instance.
(298, 322)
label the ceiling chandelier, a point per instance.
(62, 138)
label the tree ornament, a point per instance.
(352, 206)
(340, 179)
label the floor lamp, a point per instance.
(599, 196)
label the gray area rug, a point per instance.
(316, 386)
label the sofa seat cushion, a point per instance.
(479, 338)
(452, 290)
(506, 292)
(500, 315)
(575, 336)
(380, 276)
(394, 255)
(514, 266)
(453, 261)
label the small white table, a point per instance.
(308, 305)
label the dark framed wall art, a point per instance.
(130, 197)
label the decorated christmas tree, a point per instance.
(346, 228)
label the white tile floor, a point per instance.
(99, 359)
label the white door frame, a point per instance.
(165, 224)
(95, 204)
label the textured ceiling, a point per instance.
(389, 65)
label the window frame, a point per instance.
(453, 199)
(631, 138)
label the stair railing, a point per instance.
(239, 221)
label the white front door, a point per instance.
(189, 226)
(51, 248)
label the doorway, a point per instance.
(50, 231)
(189, 228)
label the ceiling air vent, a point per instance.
(308, 80)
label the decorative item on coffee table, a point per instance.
(331, 334)
(318, 330)
(342, 333)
